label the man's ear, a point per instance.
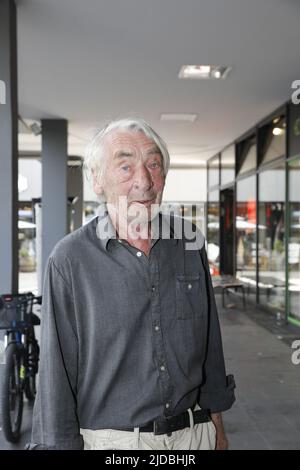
(98, 189)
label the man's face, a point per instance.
(134, 169)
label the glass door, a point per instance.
(227, 232)
(293, 258)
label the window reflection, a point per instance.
(228, 165)
(246, 232)
(246, 155)
(294, 240)
(271, 238)
(272, 139)
(27, 248)
(213, 171)
(213, 232)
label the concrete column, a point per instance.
(8, 149)
(54, 184)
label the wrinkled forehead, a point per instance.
(129, 140)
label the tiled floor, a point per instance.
(258, 351)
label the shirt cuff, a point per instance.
(219, 400)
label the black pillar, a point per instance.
(8, 149)
(54, 184)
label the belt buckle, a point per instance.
(157, 428)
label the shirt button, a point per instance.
(157, 328)
(120, 241)
(190, 286)
(153, 288)
(167, 405)
(139, 254)
(162, 368)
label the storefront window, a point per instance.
(228, 165)
(246, 232)
(294, 241)
(271, 238)
(246, 155)
(213, 232)
(29, 188)
(272, 139)
(27, 240)
(213, 171)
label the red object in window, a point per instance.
(214, 271)
(251, 211)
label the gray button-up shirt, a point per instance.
(125, 338)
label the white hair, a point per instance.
(94, 158)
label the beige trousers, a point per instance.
(201, 436)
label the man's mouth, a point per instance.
(145, 202)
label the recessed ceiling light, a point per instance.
(178, 117)
(204, 71)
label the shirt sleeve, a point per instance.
(217, 390)
(55, 423)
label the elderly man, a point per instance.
(131, 351)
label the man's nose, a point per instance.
(142, 178)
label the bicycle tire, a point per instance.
(12, 394)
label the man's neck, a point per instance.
(137, 235)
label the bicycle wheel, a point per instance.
(12, 394)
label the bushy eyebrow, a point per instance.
(127, 153)
(153, 151)
(123, 153)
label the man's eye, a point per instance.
(154, 165)
(125, 168)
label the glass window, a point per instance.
(294, 130)
(27, 247)
(272, 139)
(213, 172)
(228, 165)
(246, 155)
(246, 232)
(271, 238)
(294, 241)
(213, 232)
(29, 188)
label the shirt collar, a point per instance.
(162, 227)
(105, 229)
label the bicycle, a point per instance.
(21, 359)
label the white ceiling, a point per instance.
(93, 60)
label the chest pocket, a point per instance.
(189, 296)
